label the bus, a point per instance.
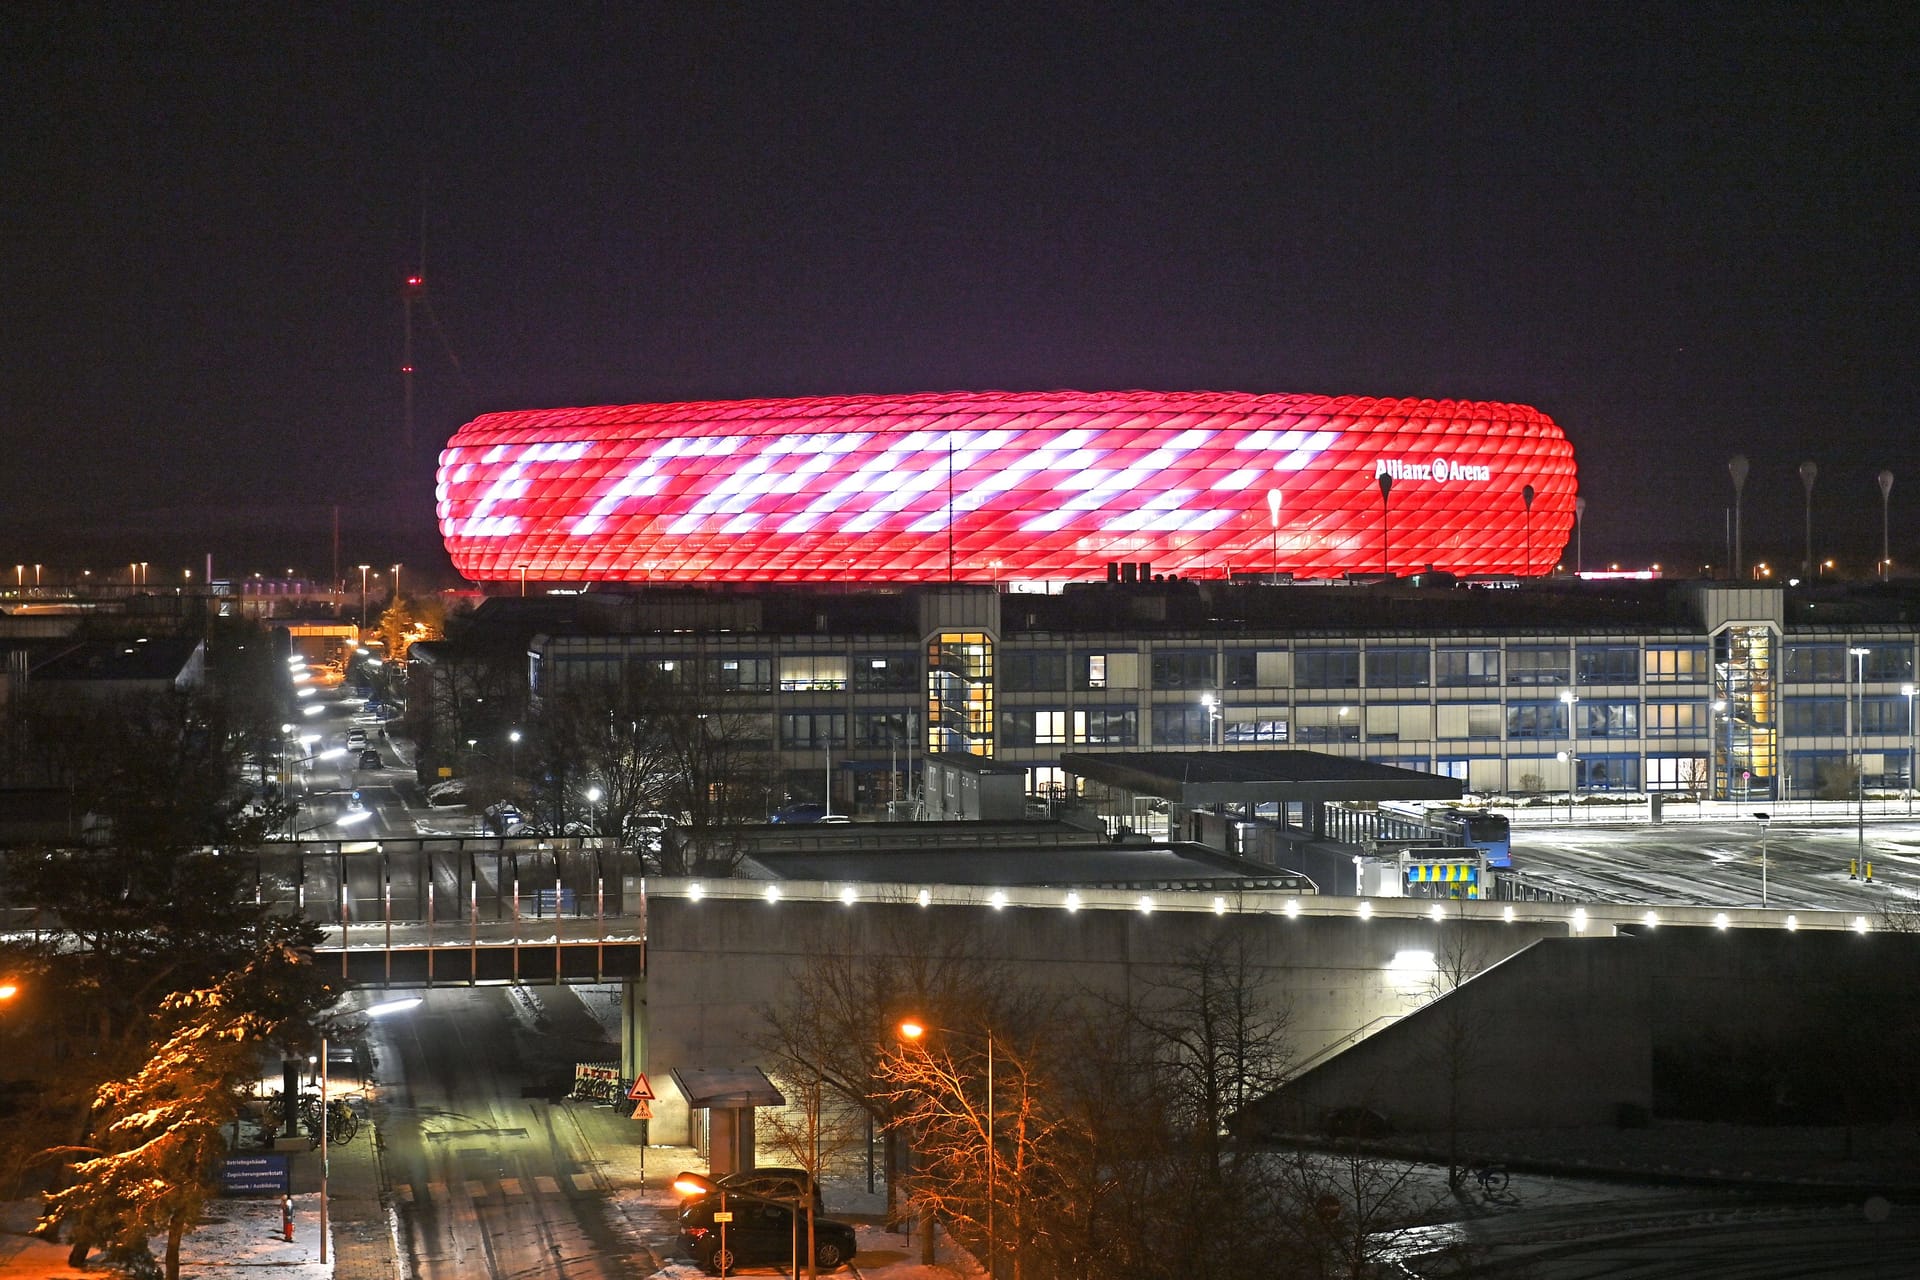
(1480, 829)
(1488, 832)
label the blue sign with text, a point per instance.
(254, 1176)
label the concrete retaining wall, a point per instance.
(714, 965)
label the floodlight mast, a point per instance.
(1885, 479)
(1809, 472)
(1737, 469)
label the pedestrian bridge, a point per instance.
(457, 910)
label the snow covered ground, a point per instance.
(241, 1238)
(232, 1233)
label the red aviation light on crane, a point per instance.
(995, 486)
(414, 282)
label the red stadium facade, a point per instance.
(1009, 487)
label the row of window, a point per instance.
(1195, 724)
(1380, 667)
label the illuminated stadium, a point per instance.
(1005, 487)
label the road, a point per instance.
(490, 1177)
(1564, 1229)
(1718, 863)
(340, 800)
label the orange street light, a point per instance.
(694, 1184)
(914, 1031)
(8, 990)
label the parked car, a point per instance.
(356, 738)
(446, 794)
(775, 1183)
(762, 1233)
(805, 812)
(504, 818)
(370, 759)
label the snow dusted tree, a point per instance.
(157, 1130)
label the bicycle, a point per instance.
(342, 1124)
(1493, 1178)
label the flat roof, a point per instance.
(1198, 779)
(1082, 864)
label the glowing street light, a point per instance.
(913, 1032)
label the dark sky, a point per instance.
(1682, 230)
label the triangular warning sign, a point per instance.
(641, 1091)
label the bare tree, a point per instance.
(988, 1153)
(656, 743)
(813, 1134)
(1457, 1044)
(1214, 1040)
(1335, 1207)
(839, 1021)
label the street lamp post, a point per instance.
(1809, 471)
(1526, 498)
(1859, 655)
(1764, 819)
(593, 798)
(1737, 470)
(1211, 702)
(513, 754)
(1273, 516)
(914, 1031)
(363, 596)
(1886, 557)
(1907, 692)
(1579, 537)
(1386, 488)
(1567, 699)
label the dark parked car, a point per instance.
(773, 1183)
(370, 759)
(762, 1233)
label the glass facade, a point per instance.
(1751, 713)
(1745, 703)
(960, 693)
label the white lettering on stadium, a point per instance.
(1443, 470)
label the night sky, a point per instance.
(1682, 230)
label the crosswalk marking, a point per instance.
(582, 1181)
(510, 1187)
(476, 1190)
(547, 1186)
